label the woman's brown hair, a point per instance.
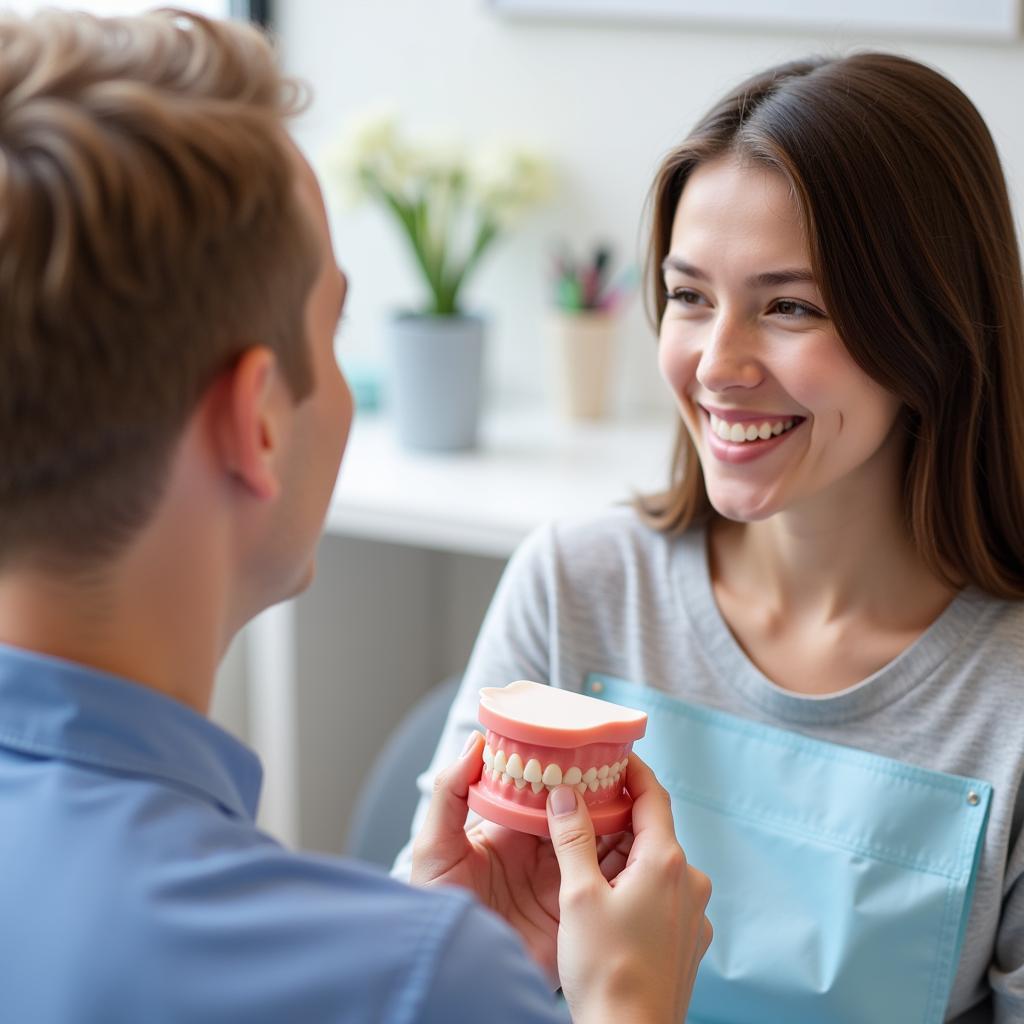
(149, 231)
(913, 246)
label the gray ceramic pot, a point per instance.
(436, 371)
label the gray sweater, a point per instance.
(610, 595)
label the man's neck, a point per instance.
(136, 623)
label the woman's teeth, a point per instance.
(741, 432)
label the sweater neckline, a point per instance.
(732, 666)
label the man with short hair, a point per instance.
(172, 420)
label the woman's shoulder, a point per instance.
(987, 655)
(998, 623)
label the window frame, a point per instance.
(258, 11)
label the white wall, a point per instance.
(604, 101)
(381, 626)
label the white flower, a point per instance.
(369, 150)
(449, 210)
(372, 131)
(438, 157)
(508, 180)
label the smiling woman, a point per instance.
(904, 248)
(822, 614)
(762, 377)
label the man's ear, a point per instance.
(249, 411)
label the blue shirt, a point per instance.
(134, 885)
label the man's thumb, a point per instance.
(572, 834)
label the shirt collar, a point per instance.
(55, 708)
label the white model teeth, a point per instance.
(511, 770)
(740, 432)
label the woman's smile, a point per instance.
(737, 437)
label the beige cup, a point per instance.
(582, 346)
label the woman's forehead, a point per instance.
(741, 214)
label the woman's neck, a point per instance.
(819, 604)
(851, 555)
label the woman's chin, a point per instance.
(751, 508)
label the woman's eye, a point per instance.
(794, 309)
(686, 296)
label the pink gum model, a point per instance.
(539, 737)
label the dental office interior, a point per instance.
(339, 690)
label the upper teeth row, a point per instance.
(750, 431)
(512, 769)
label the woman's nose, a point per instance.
(729, 357)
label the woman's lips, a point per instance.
(737, 416)
(739, 452)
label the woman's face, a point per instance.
(780, 414)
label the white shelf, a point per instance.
(529, 468)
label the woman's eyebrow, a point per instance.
(768, 279)
(772, 278)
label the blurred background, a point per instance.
(598, 91)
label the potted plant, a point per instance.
(450, 209)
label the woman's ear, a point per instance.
(250, 408)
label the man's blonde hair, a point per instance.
(149, 232)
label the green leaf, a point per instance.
(486, 233)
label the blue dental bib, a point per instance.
(842, 880)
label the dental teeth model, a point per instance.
(539, 737)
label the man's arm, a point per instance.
(484, 974)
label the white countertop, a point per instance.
(530, 467)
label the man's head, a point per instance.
(153, 230)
